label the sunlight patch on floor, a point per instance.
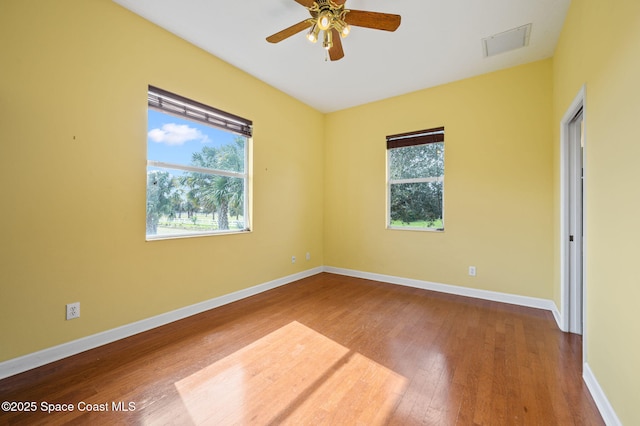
(294, 375)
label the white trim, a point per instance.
(46, 356)
(414, 228)
(204, 170)
(604, 406)
(55, 353)
(531, 302)
(417, 180)
(577, 103)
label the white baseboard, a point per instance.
(55, 353)
(606, 410)
(46, 356)
(512, 299)
(562, 325)
(602, 402)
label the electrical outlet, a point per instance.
(308, 256)
(73, 310)
(293, 259)
(472, 271)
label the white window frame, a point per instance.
(421, 137)
(170, 103)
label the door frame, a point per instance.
(579, 103)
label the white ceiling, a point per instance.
(438, 41)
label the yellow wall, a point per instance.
(600, 47)
(498, 194)
(73, 87)
(73, 84)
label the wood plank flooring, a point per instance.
(328, 350)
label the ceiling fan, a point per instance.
(334, 21)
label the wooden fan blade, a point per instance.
(305, 3)
(288, 32)
(375, 20)
(336, 52)
(339, 2)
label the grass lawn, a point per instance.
(198, 223)
(437, 224)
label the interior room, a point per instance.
(74, 85)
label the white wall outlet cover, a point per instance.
(73, 310)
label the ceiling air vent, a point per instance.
(506, 41)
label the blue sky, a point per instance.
(173, 139)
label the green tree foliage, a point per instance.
(216, 193)
(160, 185)
(169, 196)
(416, 201)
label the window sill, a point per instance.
(413, 228)
(195, 235)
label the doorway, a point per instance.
(572, 227)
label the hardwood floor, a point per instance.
(325, 350)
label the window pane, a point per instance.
(416, 205)
(417, 161)
(184, 203)
(197, 177)
(176, 140)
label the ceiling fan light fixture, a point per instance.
(328, 40)
(324, 20)
(334, 21)
(345, 31)
(312, 36)
(342, 27)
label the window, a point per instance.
(197, 178)
(415, 180)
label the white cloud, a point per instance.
(176, 134)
